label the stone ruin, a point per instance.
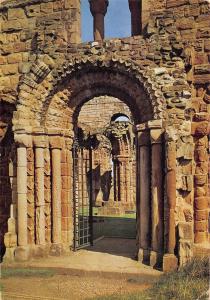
(161, 72)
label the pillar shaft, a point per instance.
(98, 9)
(40, 201)
(128, 181)
(157, 192)
(121, 181)
(171, 195)
(56, 195)
(135, 7)
(144, 156)
(22, 195)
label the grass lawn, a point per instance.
(189, 283)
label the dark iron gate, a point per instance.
(82, 196)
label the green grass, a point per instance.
(189, 283)
(85, 212)
(24, 272)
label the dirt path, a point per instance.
(66, 287)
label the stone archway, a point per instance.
(48, 110)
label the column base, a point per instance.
(39, 251)
(156, 259)
(9, 255)
(22, 253)
(144, 256)
(56, 250)
(170, 262)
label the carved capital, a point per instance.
(156, 136)
(23, 139)
(69, 143)
(98, 6)
(143, 138)
(56, 142)
(41, 141)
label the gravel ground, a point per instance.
(66, 287)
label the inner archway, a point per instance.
(106, 185)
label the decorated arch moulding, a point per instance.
(67, 86)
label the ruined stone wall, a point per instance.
(27, 28)
(97, 113)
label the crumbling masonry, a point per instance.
(161, 72)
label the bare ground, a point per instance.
(66, 287)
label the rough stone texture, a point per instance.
(46, 76)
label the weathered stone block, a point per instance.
(201, 203)
(201, 225)
(46, 8)
(185, 23)
(14, 58)
(32, 10)
(201, 215)
(16, 13)
(10, 240)
(185, 230)
(170, 263)
(9, 69)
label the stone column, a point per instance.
(39, 194)
(128, 180)
(22, 195)
(24, 141)
(144, 191)
(55, 144)
(170, 261)
(121, 185)
(98, 9)
(136, 22)
(156, 194)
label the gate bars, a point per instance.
(82, 196)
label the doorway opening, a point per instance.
(104, 176)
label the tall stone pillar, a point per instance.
(98, 9)
(144, 190)
(22, 195)
(39, 193)
(170, 261)
(156, 194)
(55, 144)
(121, 179)
(128, 180)
(135, 7)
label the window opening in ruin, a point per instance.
(106, 179)
(86, 21)
(120, 118)
(117, 20)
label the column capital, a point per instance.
(69, 143)
(40, 141)
(143, 138)
(23, 139)
(98, 6)
(56, 142)
(155, 124)
(156, 136)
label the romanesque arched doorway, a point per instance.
(49, 138)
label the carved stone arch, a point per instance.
(72, 81)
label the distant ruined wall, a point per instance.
(97, 113)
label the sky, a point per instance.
(117, 20)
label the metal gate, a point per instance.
(82, 196)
